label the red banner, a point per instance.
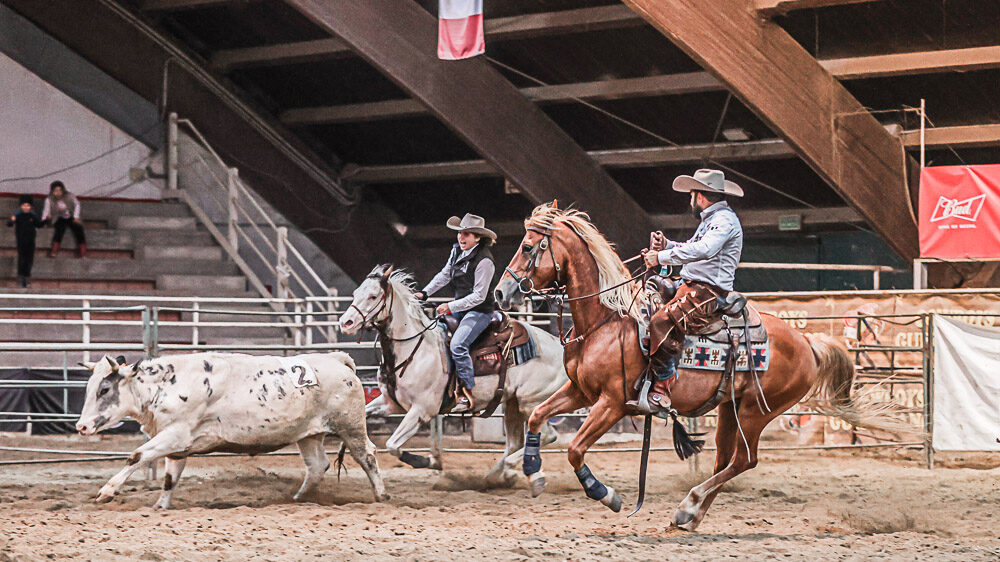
(960, 212)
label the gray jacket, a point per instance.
(712, 254)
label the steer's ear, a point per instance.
(114, 365)
(128, 371)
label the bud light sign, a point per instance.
(960, 212)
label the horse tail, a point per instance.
(831, 393)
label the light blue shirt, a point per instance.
(712, 254)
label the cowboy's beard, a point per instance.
(696, 209)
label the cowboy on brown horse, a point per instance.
(709, 262)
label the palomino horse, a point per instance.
(604, 362)
(386, 302)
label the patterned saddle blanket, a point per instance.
(709, 349)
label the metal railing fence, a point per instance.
(877, 365)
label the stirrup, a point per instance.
(462, 405)
(642, 404)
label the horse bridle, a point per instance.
(524, 282)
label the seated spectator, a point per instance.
(62, 208)
(25, 222)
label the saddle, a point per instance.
(503, 344)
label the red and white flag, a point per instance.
(460, 29)
(960, 212)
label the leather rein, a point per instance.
(527, 287)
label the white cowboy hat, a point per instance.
(471, 223)
(712, 181)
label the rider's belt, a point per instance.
(719, 291)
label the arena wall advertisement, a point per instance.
(960, 212)
(966, 386)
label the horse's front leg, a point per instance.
(404, 431)
(566, 399)
(603, 416)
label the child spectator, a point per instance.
(63, 209)
(25, 222)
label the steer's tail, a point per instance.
(831, 393)
(339, 463)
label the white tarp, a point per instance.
(966, 386)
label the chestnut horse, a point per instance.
(604, 361)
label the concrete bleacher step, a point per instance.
(211, 253)
(116, 239)
(69, 267)
(105, 209)
(154, 222)
(202, 285)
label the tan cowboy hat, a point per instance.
(712, 181)
(471, 223)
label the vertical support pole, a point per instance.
(439, 438)
(282, 270)
(876, 278)
(919, 274)
(86, 328)
(233, 216)
(195, 319)
(923, 131)
(297, 319)
(65, 373)
(172, 152)
(928, 345)
(309, 323)
(692, 427)
(331, 330)
(147, 334)
(154, 345)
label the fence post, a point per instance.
(195, 319)
(147, 336)
(875, 278)
(86, 328)
(233, 217)
(154, 333)
(929, 388)
(172, 152)
(309, 323)
(297, 319)
(282, 271)
(331, 306)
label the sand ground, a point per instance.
(813, 506)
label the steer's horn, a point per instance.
(89, 365)
(114, 366)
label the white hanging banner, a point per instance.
(966, 386)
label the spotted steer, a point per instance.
(207, 402)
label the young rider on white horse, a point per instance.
(470, 272)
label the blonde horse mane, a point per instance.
(611, 270)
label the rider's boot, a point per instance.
(463, 403)
(654, 395)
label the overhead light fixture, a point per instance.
(736, 134)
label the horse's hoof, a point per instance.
(435, 463)
(683, 520)
(613, 500)
(537, 481)
(382, 498)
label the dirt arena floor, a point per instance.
(795, 506)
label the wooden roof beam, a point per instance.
(785, 86)
(497, 29)
(769, 149)
(950, 60)
(175, 5)
(752, 220)
(482, 108)
(778, 7)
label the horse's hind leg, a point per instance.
(726, 436)
(311, 449)
(566, 399)
(692, 510)
(603, 416)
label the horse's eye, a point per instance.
(371, 298)
(526, 248)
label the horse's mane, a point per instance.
(404, 285)
(611, 270)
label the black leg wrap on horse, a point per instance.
(595, 490)
(532, 461)
(416, 461)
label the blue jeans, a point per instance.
(471, 324)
